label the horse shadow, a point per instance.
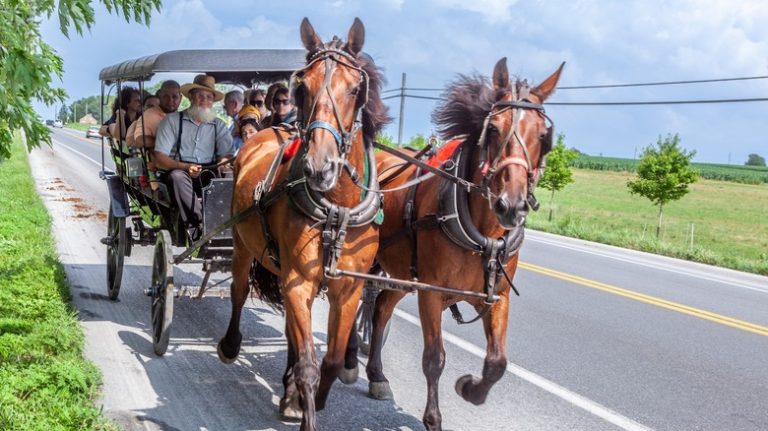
(189, 383)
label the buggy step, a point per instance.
(194, 292)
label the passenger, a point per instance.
(123, 114)
(283, 111)
(248, 122)
(188, 140)
(233, 103)
(144, 131)
(256, 99)
(151, 101)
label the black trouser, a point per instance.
(187, 192)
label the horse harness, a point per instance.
(453, 216)
(334, 219)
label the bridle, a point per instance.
(489, 170)
(331, 57)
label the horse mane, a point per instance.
(375, 112)
(466, 103)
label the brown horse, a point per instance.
(311, 218)
(457, 237)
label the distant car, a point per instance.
(49, 122)
(92, 132)
(58, 123)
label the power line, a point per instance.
(649, 84)
(629, 103)
(640, 84)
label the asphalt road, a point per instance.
(600, 339)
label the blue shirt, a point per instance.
(203, 144)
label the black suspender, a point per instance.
(178, 138)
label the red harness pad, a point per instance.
(444, 153)
(291, 150)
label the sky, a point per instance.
(431, 41)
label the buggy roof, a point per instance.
(233, 66)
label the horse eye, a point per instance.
(355, 91)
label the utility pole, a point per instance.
(402, 108)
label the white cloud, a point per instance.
(394, 4)
(493, 11)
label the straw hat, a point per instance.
(203, 82)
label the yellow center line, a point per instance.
(663, 303)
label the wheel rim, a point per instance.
(115, 253)
(158, 289)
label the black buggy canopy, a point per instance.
(228, 66)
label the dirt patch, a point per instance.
(69, 199)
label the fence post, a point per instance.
(402, 109)
(690, 248)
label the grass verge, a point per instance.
(77, 126)
(46, 382)
(718, 223)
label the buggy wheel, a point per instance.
(162, 292)
(116, 242)
(364, 319)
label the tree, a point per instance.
(755, 160)
(28, 63)
(663, 174)
(386, 140)
(92, 105)
(558, 174)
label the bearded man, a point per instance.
(186, 141)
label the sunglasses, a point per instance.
(281, 102)
(257, 102)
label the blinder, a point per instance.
(342, 137)
(545, 146)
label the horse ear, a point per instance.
(308, 36)
(546, 88)
(501, 74)
(356, 37)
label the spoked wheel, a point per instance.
(364, 319)
(162, 293)
(116, 247)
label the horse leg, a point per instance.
(306, 373)
(473, 389)
(348, 374)
(229, 346)
(433, 358)
(378, 385)
(341, 318)
(290, 406)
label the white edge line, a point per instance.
(553, 388)
(63, 145)
(663, 267)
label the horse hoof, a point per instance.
(223, 357)
(347, 376)
(289, 410)
(462, 389)
(380, 391)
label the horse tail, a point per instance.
(266, 286)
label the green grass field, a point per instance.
(77, 126)
(730, 220)
(710, 171)
(46, 384)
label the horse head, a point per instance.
(516, 138)
(330, 92)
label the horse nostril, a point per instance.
(501, 206)
(309, 171)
